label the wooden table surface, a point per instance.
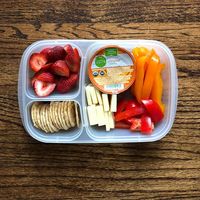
(167, 169)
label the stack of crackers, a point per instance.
(54, 116)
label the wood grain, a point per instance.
(167, 169)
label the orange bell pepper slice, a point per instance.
(151, 71)
(157, 89)
(140, 72)
(139, 52)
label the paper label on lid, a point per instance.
(112, 70)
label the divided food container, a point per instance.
(86, 133)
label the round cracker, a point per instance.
(52, 115)
(55, 115)
(46, 120)
(71, 113)
(33, 114)
(66, 117)
(42, 118)
(50, 123)
(65, 126)
(38, 116)
(59, 115)
(77, 114)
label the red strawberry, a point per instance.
(60, 68)
(77, 60)
(70, 55)
(37, 61)
(56, 53)
(45, 77)
(47, 66)
(66, 84)
(43, 89)
(45, 51)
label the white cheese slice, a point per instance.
(91, 110)
(107, 121)
(111, 120)
(93, 95)
(105, 102)
(88, 95)
(101, 115)
(113, 104)
(99, 98)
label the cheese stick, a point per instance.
(88, 95)
(91, 110)
(99, 98)
(93, 95)
(105, 102)
(113, 104)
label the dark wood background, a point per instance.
(167, 169)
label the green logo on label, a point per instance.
(111, 52)
(100, 61)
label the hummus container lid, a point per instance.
(111, 69)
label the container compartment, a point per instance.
(169, 97)
(28, 73)
(62, 136)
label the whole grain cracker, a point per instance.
(33, 114)
(71, 113)
(66, 117)
(66, 127)
(77, 114)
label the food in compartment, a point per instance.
(99, 109)
(55, 68)
(139, 113)
(55, 116)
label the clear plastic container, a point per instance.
(86, 133)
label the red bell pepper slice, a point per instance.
(122, 125)
(129, 113)
(146, 124)
(135, 124)
(154, 110)
(121, 106)
(131, 104)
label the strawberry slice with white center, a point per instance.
(37, 61)
(43, 89)
(77, 60)
(70, 55)
(60, 68)
(45, 77)
(66, 84)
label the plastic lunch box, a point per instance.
(86, 133)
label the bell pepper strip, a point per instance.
(131, 104)
(135, 124)
(149, 77)
(154, 110)
(147, 125)
(129, 113)
(121, 105)
(156, 92)
(122, 125)
(136, 88)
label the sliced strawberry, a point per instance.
(46, 66)
(43, 89)
(56, 53)
(46, 51)
(36, 61)
(77, 60)
(60, 68)
(66, 84)
(70, 55)
(45, 77)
